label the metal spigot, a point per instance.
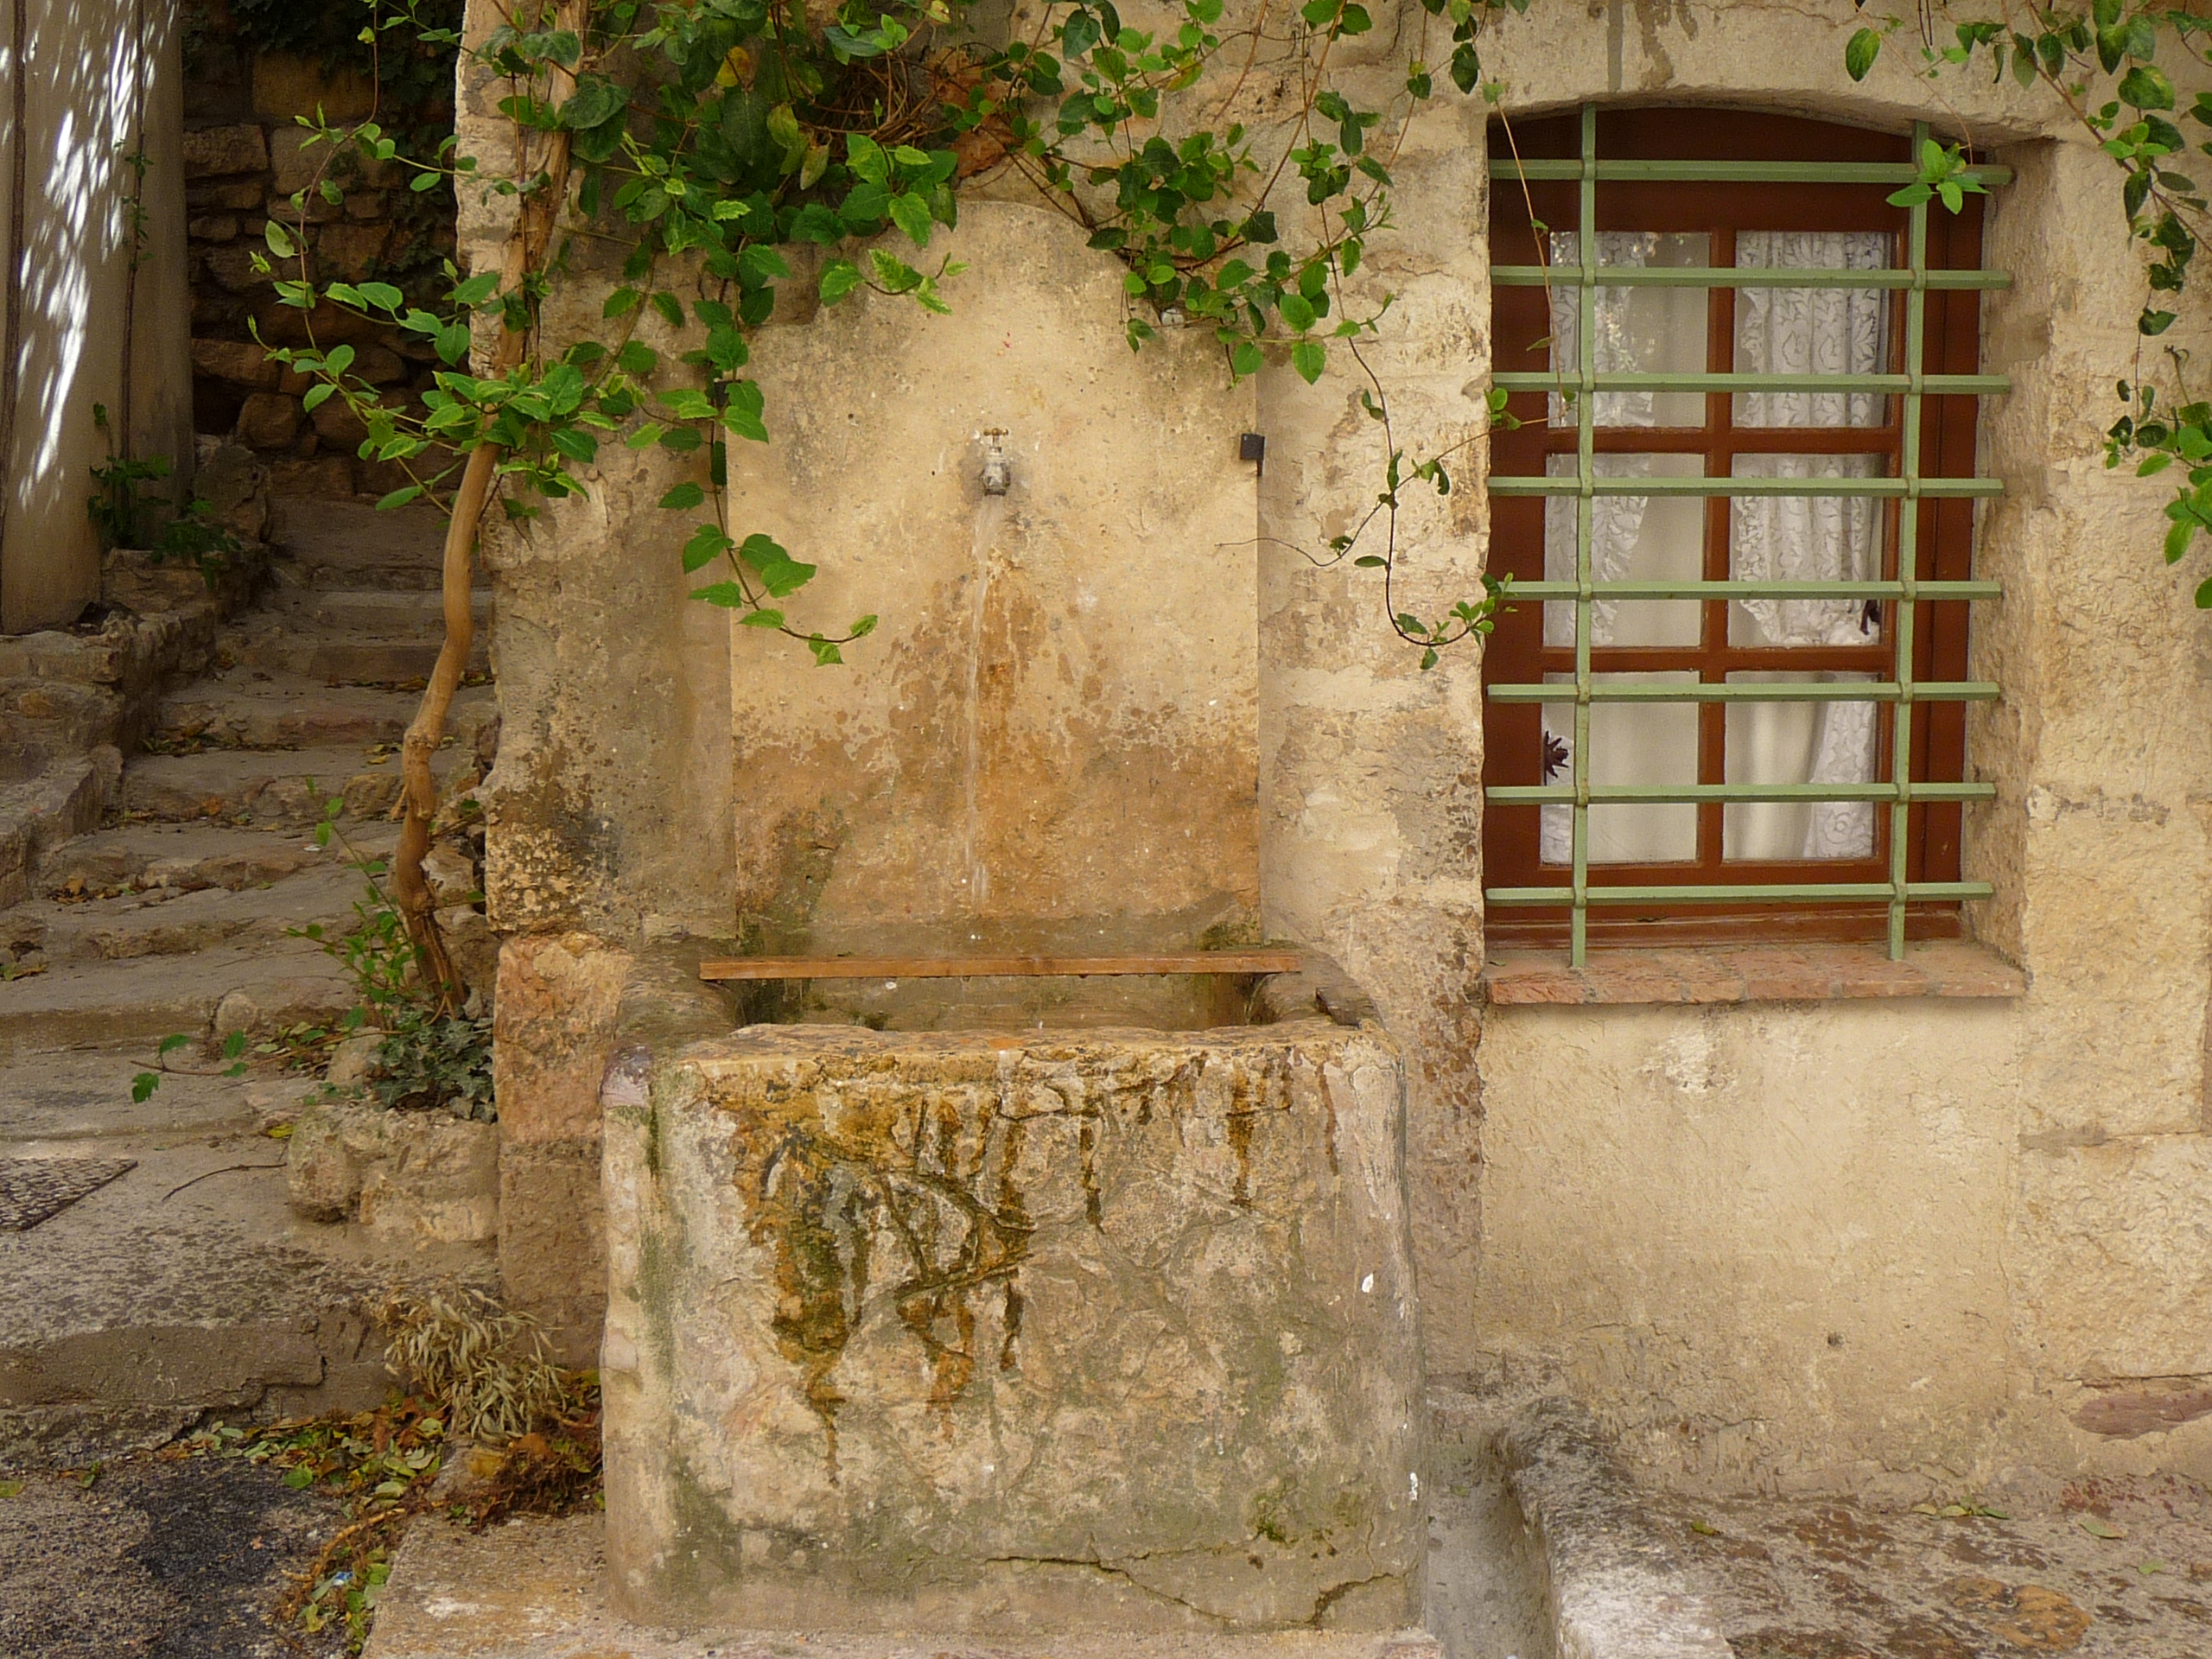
(998, 470)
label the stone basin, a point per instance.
(1103, 1331)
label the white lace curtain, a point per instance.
(1787, 331)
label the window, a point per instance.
(1739, 512)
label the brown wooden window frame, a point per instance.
(1515, 651)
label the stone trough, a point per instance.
(1109, 1329)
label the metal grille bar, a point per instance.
(1935, 385)
(1742, 891)
(1899, 691)
(1577, 385)
(1589, 169)
(1651, 794)
(1908, 486)
(1742, 277)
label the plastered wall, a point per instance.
(88, 82)
(1855, 1244)
(1910, 1245)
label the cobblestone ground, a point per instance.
(155, 1560)
(2096, 1569)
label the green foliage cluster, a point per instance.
(129, 513)
(433, 1056)
(2103, 62)
(724, 143)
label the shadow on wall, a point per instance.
(88, 85)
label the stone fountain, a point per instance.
(992, 1302)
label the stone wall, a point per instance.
(1815, 1242)
(94, 317)
(245, 156)
(1908, 1244)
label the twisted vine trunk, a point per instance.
(543, 157)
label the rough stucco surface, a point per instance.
(1053, 733)
(1998, 1210)
(1905, 1246)
(1114, 1331)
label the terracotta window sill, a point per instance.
(1803, 973)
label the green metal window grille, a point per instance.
(1902, 692)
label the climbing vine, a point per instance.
(721, 146)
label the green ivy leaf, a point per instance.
(1309, 358)
(280, 241)
(596, 101)
(707, 545)
(1859, 52)
(911, 214)
(684, 497)
(839, 278)
(2146, 87)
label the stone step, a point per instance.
(248, 708)
(188, 857)
(145, 999)
(149, 1303)
(164, 921)
(536, 1588)
(284, 787)
(39, 813)
(379, 614)
(274, 787)
(344, 661)
(345, 542)
(46, 719)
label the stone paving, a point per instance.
(155, 1560)
(2100, 1569)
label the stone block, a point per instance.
(559, 998)
(553, 1240)
(298, 160)
(268, 420)
(227, 193)
(285, 85)
(347, 250)
(213, 228)
(1005, 1333)
(234, 362)
(233, 267)
(215, 151)
(409, 1179)
(2120, 1224)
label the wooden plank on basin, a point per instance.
(1172, 962)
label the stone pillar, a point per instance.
(560, 996)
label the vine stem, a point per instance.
(535, 220)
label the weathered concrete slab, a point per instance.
(1012, 1335)
(532, 1590)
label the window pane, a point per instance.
(1650, 744)
(1811, 330)
(1799, 743)
(1639, 330)
(1632, 539)
(1805, 538)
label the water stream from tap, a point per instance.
(990, 516)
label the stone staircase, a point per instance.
(176, 909)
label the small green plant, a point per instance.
(234, 1050)
(434, 1055)
(128, 514)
